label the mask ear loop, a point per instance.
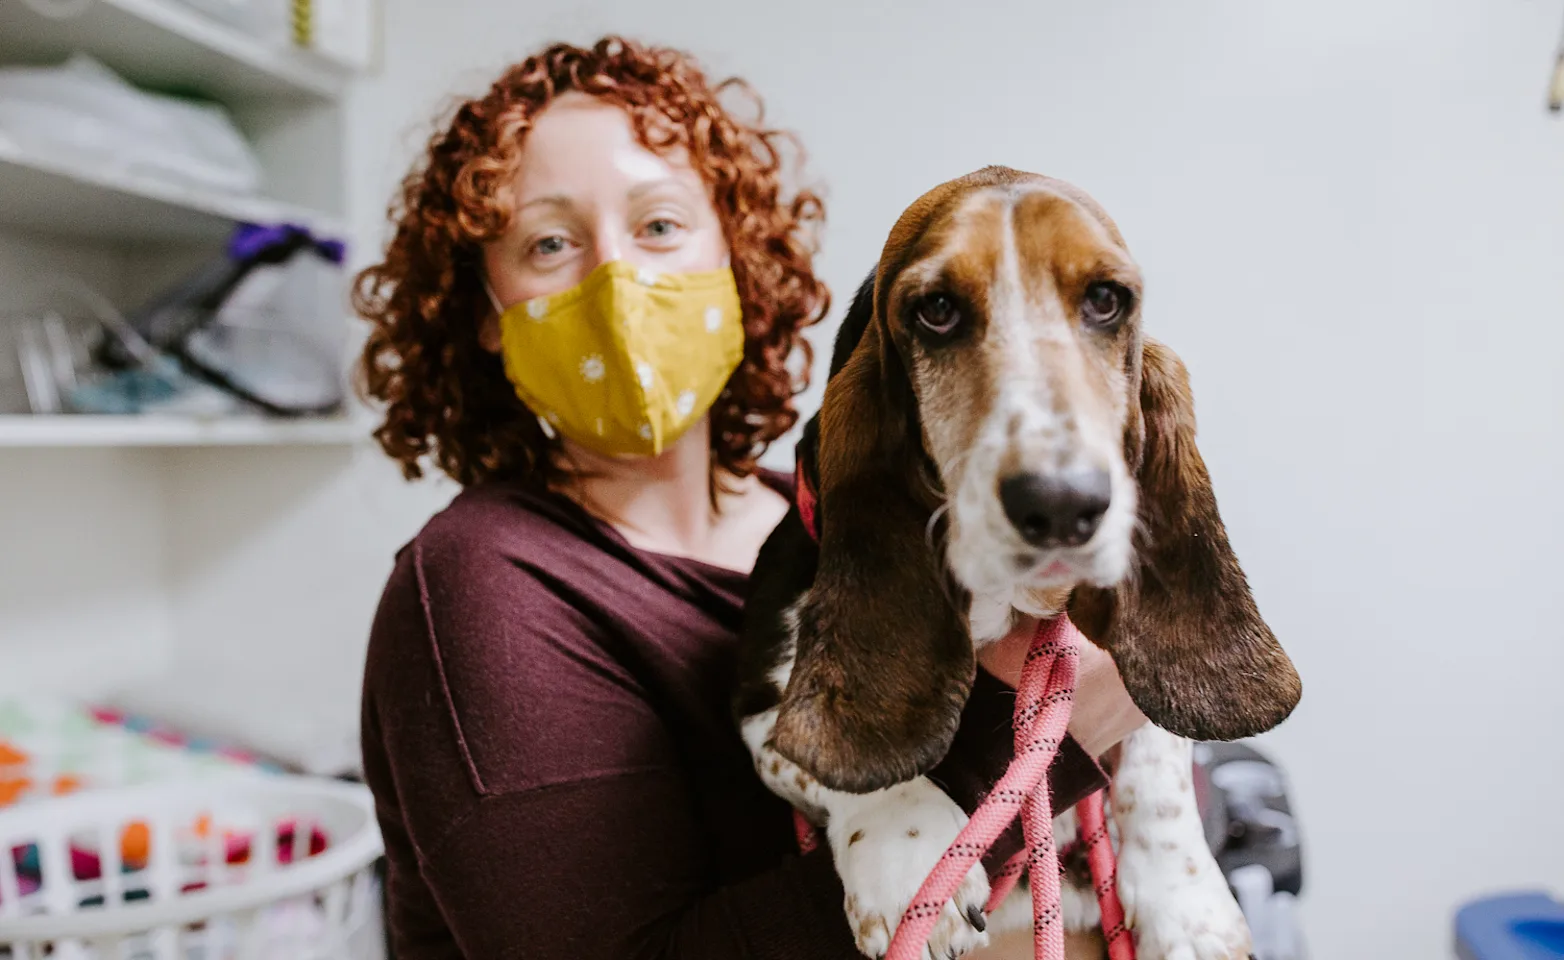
(499, 309)
(494, 299)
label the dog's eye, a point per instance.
(1105, 304)
(937, 313)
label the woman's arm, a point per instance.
(533, 801)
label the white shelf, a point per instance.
(166, 44)
(154, 431)
(51, 197)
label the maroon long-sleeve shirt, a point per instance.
(547, 732)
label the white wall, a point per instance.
(1352, 220)
(82, 606)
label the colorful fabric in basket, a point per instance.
(52, 747)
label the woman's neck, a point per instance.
(661, 503)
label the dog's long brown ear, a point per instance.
(883, 664)
(1183, 628)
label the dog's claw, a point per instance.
(980, 922)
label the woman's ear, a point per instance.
(882, 663)
(489, 332)
(1183, 628)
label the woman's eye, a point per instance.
(549, 246)
(1105, 304)
(660, 228)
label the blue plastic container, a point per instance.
(1511, 926)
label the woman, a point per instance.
(586, 317)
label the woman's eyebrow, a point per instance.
(652, 186)
(552, 200)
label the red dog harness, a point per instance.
(1043, 700)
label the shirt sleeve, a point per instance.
(985, 742)
(981, 752)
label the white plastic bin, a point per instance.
(247, 867)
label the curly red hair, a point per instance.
(445, 397)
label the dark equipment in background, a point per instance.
(1250, 828)
(278, 374)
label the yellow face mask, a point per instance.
(625, 362)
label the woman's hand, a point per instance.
(1103, 714)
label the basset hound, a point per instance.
(998, 437)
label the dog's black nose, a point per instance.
(1056, 509)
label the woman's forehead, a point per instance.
(581, 147)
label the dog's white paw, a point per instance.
(885, 843)
(1179, 907)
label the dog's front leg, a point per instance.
(1175, 898)
(884, 844)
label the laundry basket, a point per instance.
(242, 867)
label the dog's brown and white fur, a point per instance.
(998, 337)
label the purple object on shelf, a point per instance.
(251, 239)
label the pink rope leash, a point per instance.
(1105, 877)
(1043, 701)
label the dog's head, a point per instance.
(997, 417)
